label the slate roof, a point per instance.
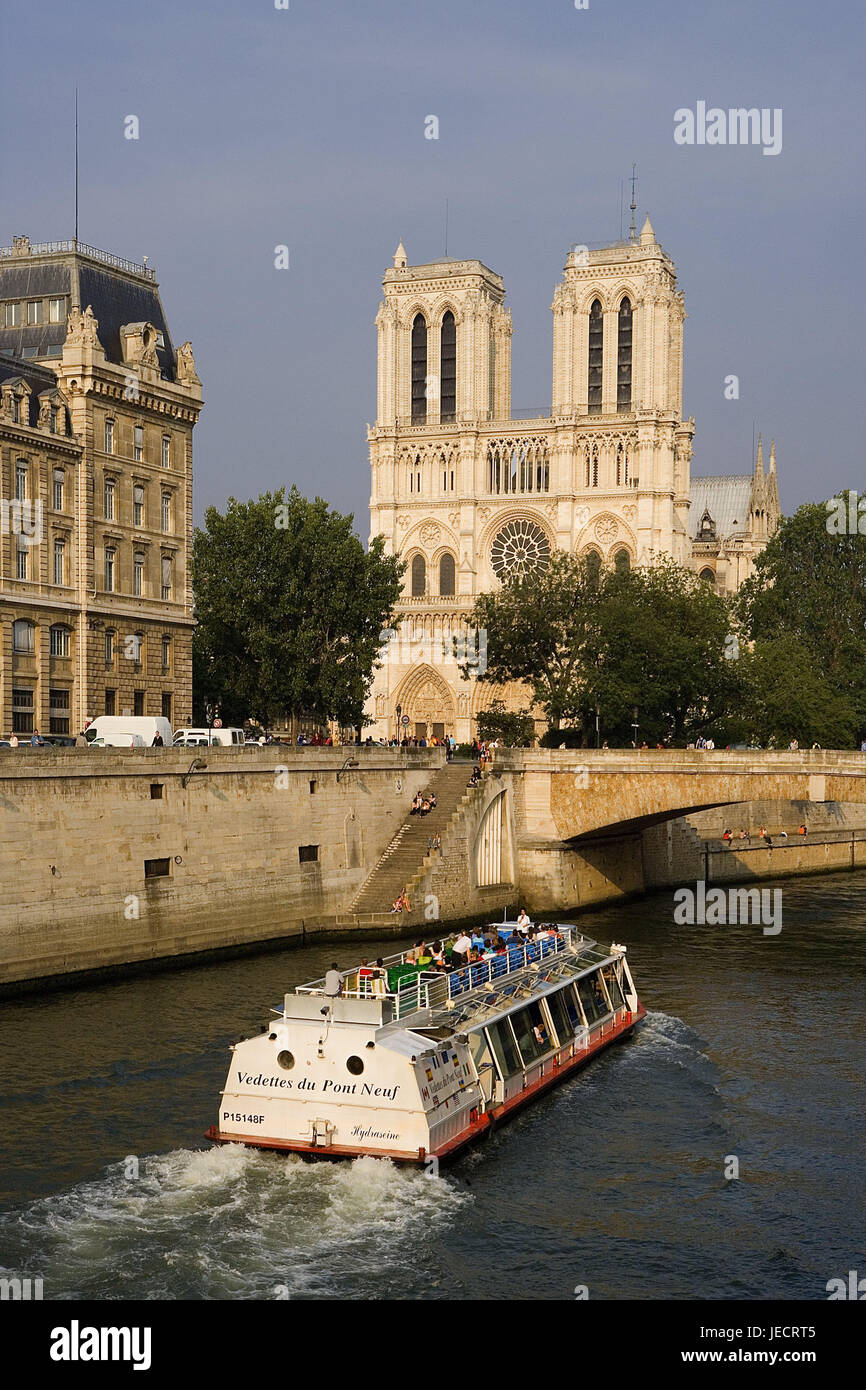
(728, 500)
(115, 298)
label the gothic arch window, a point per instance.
(622, 562)
(593, 567)
(586, 462)
(448, 367)
(419, 370)
(415, 474)
(596, 350)
(419, 576)
(594, 469)
(623, 356)
(708, 576)
(446, 575)
(622, 478)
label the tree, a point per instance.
(290, 609)
(542, 628)
(655, 640)
(808, 594)
(514, 729)
(788, 695)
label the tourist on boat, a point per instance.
(523, 921)
(438, 955)
(460, 951)
(425, 957)
(333, 981)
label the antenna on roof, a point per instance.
(633, 230)
(446, 226)
(76, 165)
(621, 186)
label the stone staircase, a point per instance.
(404, 858)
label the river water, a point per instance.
(754, 1049)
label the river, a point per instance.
(754, 1049)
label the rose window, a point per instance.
(519, 548)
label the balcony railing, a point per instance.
(59, 248)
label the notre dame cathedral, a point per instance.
(467, 493)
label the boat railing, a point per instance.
(428, 989)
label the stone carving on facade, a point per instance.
(430, 534)
(403, 521)
(186, 373)
(81, 328)
(581, 516)
(630, 510)
(606, 530)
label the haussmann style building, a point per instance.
(97, 411)
(467, 493)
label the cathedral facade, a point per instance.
(468, 494)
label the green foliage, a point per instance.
(647, 639)
(512, 729)
(290, 609)
(805, 611)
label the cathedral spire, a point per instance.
(772, 455)
(647, 235)
(400, 257)
(759, 459)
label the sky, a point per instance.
(305, 127)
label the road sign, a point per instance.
(405, 719)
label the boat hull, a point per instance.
(555, 1069)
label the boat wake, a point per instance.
(233, 1223)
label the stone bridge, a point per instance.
(572, 795)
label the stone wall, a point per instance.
(77, 827)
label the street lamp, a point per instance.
(399, 712)
(597, 728)
(635, 726)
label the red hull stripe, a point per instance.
(486, 1121)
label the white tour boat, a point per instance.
(412, 1063)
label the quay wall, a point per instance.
(78, 825)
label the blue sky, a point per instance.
(261, 126)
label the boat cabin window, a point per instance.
(504, 1048)
(614, 991)
(566, 1023)
(532, 1032)
(592, 998)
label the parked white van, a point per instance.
(205, 738)
(145, 727)
(117, 740)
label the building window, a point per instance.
(596, 348)
(21, 558)
(56, 310)
(109, 570)
(109, 646)
(58, 711)
(308, 854)
(59, 562)
(22, 709)
(419, 370)
(166, 585)
(16, 410)
(518, 465)
(110, 701)
(708, 576)
(623, 357)
(166, 653)
(446, 575)
(593, 567)
(138, 574)
(622, 478)
(59, 640)
(52, 418)
(166, 511)
(108, 499)
(166, 705)
(157, 868)
(419, 576)
(21, 472)
(23, 636)
(622, 562)
(13, 315)
(109, 436)
(138, 443)
(156, 791)
(166, 451)
(138, 505)
(34, 311)
(415, 476)
(138, 704)
(594, 466)
(448, 368)
(57, 492)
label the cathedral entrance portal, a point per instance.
(427, 700)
